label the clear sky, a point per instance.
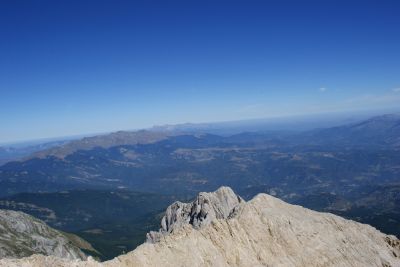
(72, 67)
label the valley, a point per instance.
(113, 189)
(114, 222)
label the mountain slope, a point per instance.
(22, 235)
(16, 152)
(120, 225)
(380, 131)
(264, 231)
(104, 141)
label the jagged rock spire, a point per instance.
(221, 204)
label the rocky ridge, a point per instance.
(104, 141)
(207, 207)
(22, 235)
(220, 229)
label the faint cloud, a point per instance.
(396, 90)
(323, 89)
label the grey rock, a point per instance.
(207, 207)
(22, 235)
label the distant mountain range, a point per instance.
(11, 153)
(352, 170)
(297, 123)
(61, 147)
(103, 141)
(382, 131)
(360, 153)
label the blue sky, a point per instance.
(72, 67)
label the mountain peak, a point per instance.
(207, 207)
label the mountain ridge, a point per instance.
(380, 131)
(22, 235)
(104, 141)
(264, 231)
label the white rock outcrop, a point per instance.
(206, 208)
(264, 231)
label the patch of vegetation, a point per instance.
(113, 222)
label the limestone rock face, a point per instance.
(22, 235)
(206, 208)
(264, 231)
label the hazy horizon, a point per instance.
(77, 67)
(340, 116)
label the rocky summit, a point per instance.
(206, 208)
(221, 229)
